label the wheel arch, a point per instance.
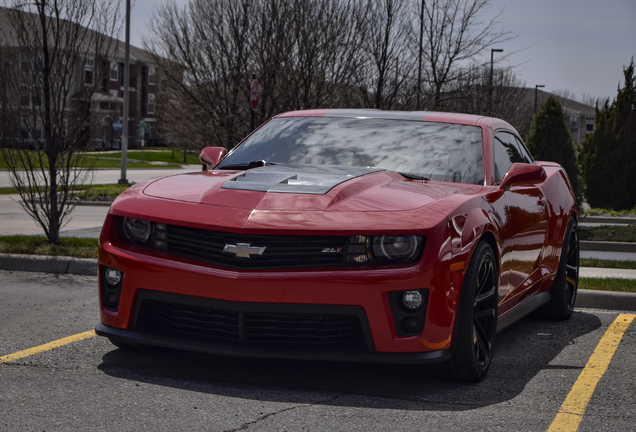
(489, 237)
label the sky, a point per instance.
(577, 46)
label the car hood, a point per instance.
(302, 188)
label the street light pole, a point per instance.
(536, 95)
(419, 58)
(492, 52)
(124, 131)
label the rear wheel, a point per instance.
(476, 322)
(566, 282)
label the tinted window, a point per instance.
(508, 149)
(437, 151)
(524, 151)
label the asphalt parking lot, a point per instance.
(55, 375)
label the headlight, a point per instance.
(137, 230)
(395, 248)
(387, 249)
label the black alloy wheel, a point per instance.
(566, 282)
(485, 311)
(476, 324)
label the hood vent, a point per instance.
(295, 179)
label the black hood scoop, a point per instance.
(296, 178)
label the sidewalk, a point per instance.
(112, 176)
(594, 272)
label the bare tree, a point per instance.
(470, 94)
(310, 54)
(385, 45)
(202, 51)
(303, 53)
(453, 34)
(320, 41)
(52, 66)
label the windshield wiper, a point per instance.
(414, 176)
(246, 166)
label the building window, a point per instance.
(30, 96)
(25, 65)
(152, 77)
(25, 96)
(589, 124)
(31, 64)
(114, 70)
(89, 71)
(151, 103)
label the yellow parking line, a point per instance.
(47, 346)
(575, 404)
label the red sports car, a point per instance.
(353, 235)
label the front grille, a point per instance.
(280, 251)
(272, 326)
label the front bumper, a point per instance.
(141, 338)
(317, 296)
(260, 330)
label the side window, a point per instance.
(524, 151)
(507, 150)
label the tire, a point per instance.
(476, 323)
(565, 285)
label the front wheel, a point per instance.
(476, 322)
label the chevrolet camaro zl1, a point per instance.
(349, 235)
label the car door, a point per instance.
(526, 227)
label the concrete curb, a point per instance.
(48, 264)
(606, 300)
(609, 220)
(605, 246)
(95, 203)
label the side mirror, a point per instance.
(521, 174)
(211, 156)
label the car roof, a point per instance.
(424, 116)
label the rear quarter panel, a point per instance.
(562, 206)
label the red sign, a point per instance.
(254, 94)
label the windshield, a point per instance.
(436, 151)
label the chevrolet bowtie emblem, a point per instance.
(244, 250)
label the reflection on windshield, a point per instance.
(438, 151)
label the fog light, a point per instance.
(112, 299)
(412, 300)
(112, 277)
(411, 325)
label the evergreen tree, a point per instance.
(608, 156)
(549, 139)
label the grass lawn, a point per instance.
(107, 192)
(605, 212)
(608, 264)
(608, 284)
(609, 233)
(101, 192)
(38, 245)
(151, 158)
(163, 156)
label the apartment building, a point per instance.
(96, 90)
